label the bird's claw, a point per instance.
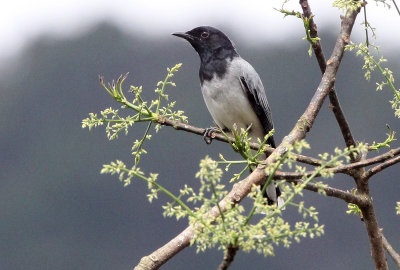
(209, 134)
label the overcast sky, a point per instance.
(24, 20)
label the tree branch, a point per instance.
(257, 177)
(359, 175)
(220, 137)
(331, 192)
(382, 166)
(156, 259)
(373, 230)
(390, 250)
(348, 168)
(228, 257)
(335, 105)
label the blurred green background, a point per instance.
(58, 212)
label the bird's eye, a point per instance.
(205, 35)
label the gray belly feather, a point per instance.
(228, 104)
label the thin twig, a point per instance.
(331, 192)
(397, 8)
(390, 250)
(220, 137)
(366, 24)
(382, 166)
(387, 158)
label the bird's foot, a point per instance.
(209, 134)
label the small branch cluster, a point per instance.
(151, 112)
(307, 21)
(145, 111)
(370, 64)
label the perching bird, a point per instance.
(232, 89)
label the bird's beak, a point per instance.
(183, 35)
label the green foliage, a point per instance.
(124, 174)
(353, 208)
(262, 227)
(370, 64)
(384, 3)
(236, 227)
(306, 22)
(144, 111)
(391, 136)
(242, 144)
(286, 12)
(150, 112)
(331, 160)
(347, 5)
(308, 37)
(339, 158)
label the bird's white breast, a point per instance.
(227, 101)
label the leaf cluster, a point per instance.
(370, 64)
(144, 111)
(262, 227)
(347, 5)
(259, 229)
(306, 23)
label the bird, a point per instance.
(231, 88)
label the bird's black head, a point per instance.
(209, 42)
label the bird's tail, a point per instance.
(273, 193)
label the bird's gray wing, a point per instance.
(255, 92)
